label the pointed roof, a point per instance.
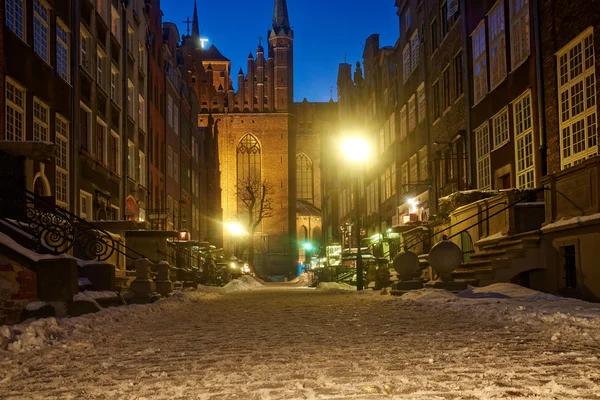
(281, 18)
(213, 54)
(195, 25)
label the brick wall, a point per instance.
(17, 288)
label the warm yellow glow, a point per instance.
(356, 149)
(235, 229)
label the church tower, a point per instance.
(281, 52)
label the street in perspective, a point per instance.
(299, 200)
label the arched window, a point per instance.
(248, 161)
(304, 178)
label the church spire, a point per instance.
(280, 15)
(195, 28)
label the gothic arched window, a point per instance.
(304, 178)
(248, 161)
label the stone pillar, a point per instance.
(143, 286)
(406, 264)
(164, 286)
(445, 257)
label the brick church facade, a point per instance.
(257, 128)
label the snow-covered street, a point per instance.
(288, 342)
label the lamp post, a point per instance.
(356, 151)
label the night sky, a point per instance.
(325, 30)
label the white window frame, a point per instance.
(89, 199)
(500, 130)
(101, 73)
(62, 161)
(524, 141)
(406, 62)
(41, 121)
(41, 30)
(114, 134)
(497, 40)
(131, 165)
(115, 84)
(142, 168)
(90, 127)
(141, 113)
(403, 122)
(104, 160)
(16, 116)
(412, 113)
(85, 49)
(520, 33)
(480, 83)
(414, 50)
(116, 211)
(16, 17)
(130, 99)
(482, 153)
(576, 80)
(63, 51)
(422, 102)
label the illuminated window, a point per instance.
(41, 121)
(62, 50)
(15, 17)
(480, 83)
(524, 142)
(497, 44)
(248, 162)
(304, 178)
(519, 29)
(41, 28)
(500, 128)
(62, 161)
(482, 145)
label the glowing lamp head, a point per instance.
(235, 229)
(356, 149)
(307, 246)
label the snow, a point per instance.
(574, 222)
(302, 280)
(99, 294)
(244, 282)
(83, 282)
(490, 238)
(329, 286)
(30, 254)
(36, 305)
(281, 341)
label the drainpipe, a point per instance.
(124, 113)
(463, 8)
(75, 139)
(540, 87)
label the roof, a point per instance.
(213, 54)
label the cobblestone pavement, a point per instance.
(293, 343)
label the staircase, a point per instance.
(502, 258)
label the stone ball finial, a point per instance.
(406, 264)
(445, 257)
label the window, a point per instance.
(101, 68)
(85, 205)
(114, 153)
(482, 143)
(116, 212)
(176, 119)
(405, 187)
(102, 9)
(577, 99)
(480, 88)
(412, 114)
(142, 167)
(62, 161)
(304, 177)
(141, 57)
(403, 123)
(524, 142)
(436, 100)
(86, 49)
(101, 141)
(85, 128)
(497, 44)
(421, 100)
(62, 50)
(414, 47)
(115, 94)
(500, 128)
(406, 62)
(15, 17)
(447, 94)
(131, 167)
(407, 19)
(169, 111)
(41, 28)
(393, 178)
(423, 166)
(41, 121)
(176, 167)
(434, 35)
(115, 24)
(414, 171)
(130, 99)
(130, 39)
(141, 113)
(248, 163)
(169, 161)
(444, 19)
(458, 75)
(519, 31)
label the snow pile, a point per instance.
(329, 286)
(429, 296)
(507, 291)
(36, 305)
(100, 295)
(24, 337)
(302, 280)
(244, 282)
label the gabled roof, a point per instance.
(213, 54)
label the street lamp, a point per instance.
(235, 230)
(357, 151)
